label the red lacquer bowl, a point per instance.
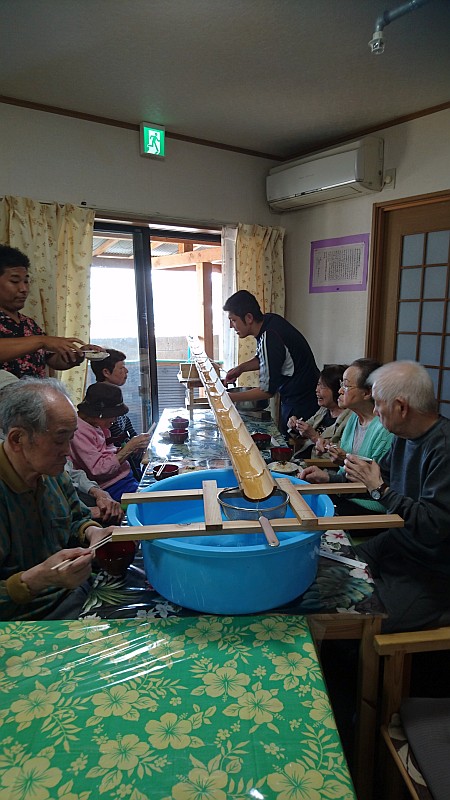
(262, 440)
(180, 423)
(178, 436)
(281, 453)
(168, 471)
(116, 557)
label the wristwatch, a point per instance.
(377, 494)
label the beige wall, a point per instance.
(335, 324)
(49, 157)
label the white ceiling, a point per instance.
(280, 77)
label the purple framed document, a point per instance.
(339, 265)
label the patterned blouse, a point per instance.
(33, 364)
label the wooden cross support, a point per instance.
(304, 518)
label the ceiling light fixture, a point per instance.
(376, 44)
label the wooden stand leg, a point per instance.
(395, 685)
(366, 711)
(363, 628)
(190, 396)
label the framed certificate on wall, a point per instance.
(339, 265)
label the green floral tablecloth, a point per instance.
(199, 708)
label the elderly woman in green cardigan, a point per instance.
(363, 435)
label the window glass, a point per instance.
(432, 317)
(410, 284)
(408, 316)
(434, 375)
(437, 247)
(445, 386)
(446, 362)
(406, 347)
(430, 350)
(412, 250)
(114, 324)
(435, 282)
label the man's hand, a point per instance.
(359, 470)
(109, 510)
(232, 375)
(65, 348)
(314, 475)
(69, 576)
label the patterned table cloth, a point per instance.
(199, 708)
(339, 588)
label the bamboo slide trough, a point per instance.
(254, 478)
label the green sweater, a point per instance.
(34, 524)
(375, 444)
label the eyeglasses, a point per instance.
(346, 387)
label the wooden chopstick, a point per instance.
(91, 549)
(157, 474)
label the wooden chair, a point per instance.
(424, 722)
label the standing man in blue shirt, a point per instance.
(283, 357)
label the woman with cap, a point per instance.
(103, 462)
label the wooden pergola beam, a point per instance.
(100, 249)
(190, 259)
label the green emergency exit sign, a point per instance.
(153, 140)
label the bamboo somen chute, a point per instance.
(255, 480)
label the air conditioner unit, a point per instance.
(348, 171)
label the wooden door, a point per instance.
(409, 313)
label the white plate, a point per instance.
(287, 467)
(95, 355)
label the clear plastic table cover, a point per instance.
(198, 708)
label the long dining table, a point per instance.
(174, 708)
(341, 603)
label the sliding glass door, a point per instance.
(150, 288)
(122, 312)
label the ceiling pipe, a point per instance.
(376, 44)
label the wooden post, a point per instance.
(204, 272)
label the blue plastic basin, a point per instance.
(227, 574)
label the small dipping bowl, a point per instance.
(235, 506)
(180, 423)
(262, 440)
(281, 453)
(178, 436)
(167, 471)
(116, 557)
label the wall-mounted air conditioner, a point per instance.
(347, 171)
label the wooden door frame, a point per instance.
(378, 262)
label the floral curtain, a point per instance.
(260, 270)
(58, 241)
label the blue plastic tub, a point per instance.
(227, 574)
